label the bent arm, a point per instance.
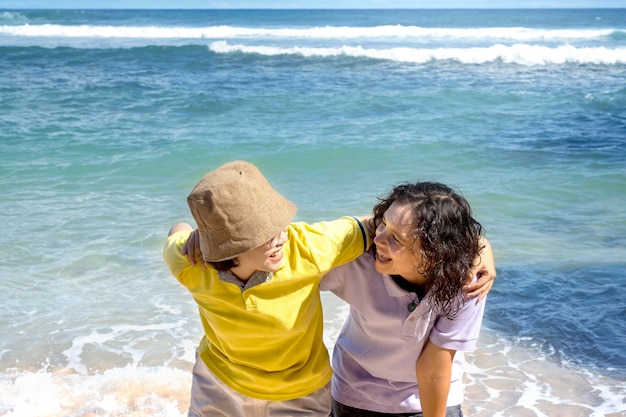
(434, 374)
(192, 246)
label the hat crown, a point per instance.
(236, 210)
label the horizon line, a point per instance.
(320, 8)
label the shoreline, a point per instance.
(511, 380)
(501, 380)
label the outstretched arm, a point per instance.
(434, 370)
(485, 270)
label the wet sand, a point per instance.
(513, 381)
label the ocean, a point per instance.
(108, 118)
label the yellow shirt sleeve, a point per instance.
(172, 255)
(329, 244)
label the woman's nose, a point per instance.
(282, 238)
(378, 239)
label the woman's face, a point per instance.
(396, 251)
(268, 257)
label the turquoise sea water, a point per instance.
(108, 119)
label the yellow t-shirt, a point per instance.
(266, 341)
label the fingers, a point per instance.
(479, 288)
(481, 292)
(192, 249)
(485, 270)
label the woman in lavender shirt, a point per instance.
(400, 350)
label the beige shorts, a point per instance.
(211, 397)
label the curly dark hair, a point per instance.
(447, 235)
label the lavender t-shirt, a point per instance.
(376, 352)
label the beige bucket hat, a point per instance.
(236, 210)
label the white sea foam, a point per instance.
(522, 54)
(503, 379)
(128, 391)
(109, 341)
(12, 17)
(325, 32)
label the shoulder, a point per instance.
(340, 230)
(359, 270)
(324, 245)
